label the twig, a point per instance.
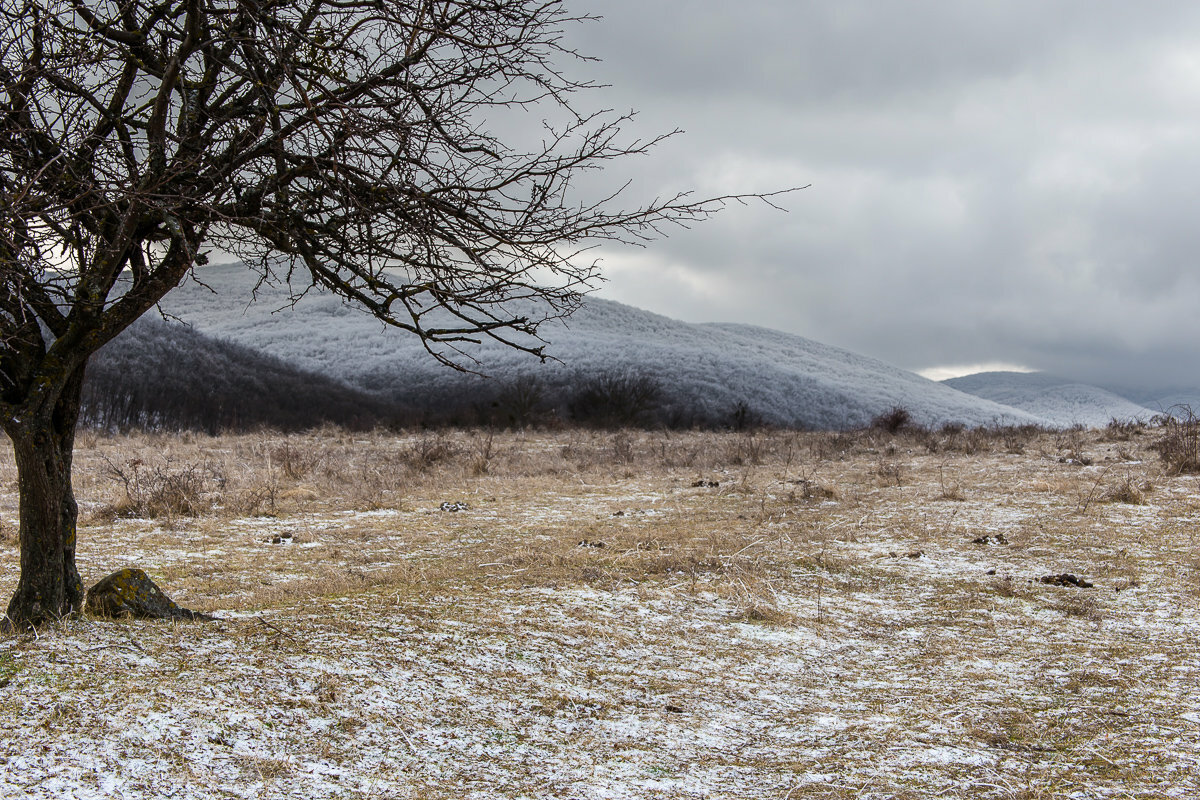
(1091, 495)
(275, 628)
(747, 547)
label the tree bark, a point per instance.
(49, 587)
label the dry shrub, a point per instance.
(1127, 491)
(1179, 444)
(621, 449)
(747, 449)
(427, 451)
(974, 441)
(1017, 437)
(954, 437)
(259, 501)
(370, 488)
(812, 490)
(893, 420)
(1122, 430)
(293, 461)
(890, 473)
(161, 491)
(482, 454)
(615, 399)
(952, 492)
(1069, 444)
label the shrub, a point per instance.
(742, 417)
(1179, 445)
(520, 403)
(615, 399)
(1127, 491)
(1122, 430)
(893, 420)
(160, 492)
(425, 451)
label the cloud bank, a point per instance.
(990, 182)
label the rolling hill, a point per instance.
(706, 372)
(1065, 401)
(160, 374)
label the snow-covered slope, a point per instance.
(1063, 401)
(1177, 400)
(708, 369)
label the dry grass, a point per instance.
(591, 615)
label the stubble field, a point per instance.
(621, 615)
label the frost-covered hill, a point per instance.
(1064, 401)
(160, 374)
(1171, 400)
(706, 371)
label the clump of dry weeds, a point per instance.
(161, 491)
(1128, 490)
(1179, 443)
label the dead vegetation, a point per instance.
(1179, 444)
(583, 613)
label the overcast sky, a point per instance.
(992, 182)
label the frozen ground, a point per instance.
(819, 624)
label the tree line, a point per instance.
(162, 375)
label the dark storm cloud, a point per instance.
(1000, 181)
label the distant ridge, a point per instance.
(708, 372)
(1062, 400)
(1172, 400)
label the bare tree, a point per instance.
(342, 144)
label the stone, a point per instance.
(1066, 579)
(129, 592)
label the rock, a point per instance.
(1066, 579)
(129, 592)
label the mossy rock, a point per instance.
(129, 592)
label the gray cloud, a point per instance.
(991, 181)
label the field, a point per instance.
(621, 615)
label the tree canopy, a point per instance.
(344, 144)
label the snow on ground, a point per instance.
(745, 641)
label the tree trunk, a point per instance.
(49, 587)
